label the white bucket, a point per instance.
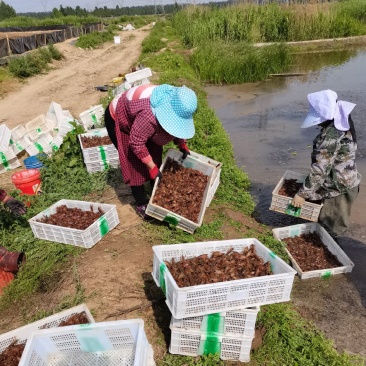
(117, 39)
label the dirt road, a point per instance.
(72, 81)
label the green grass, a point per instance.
(94, 39)
(21, 21)
(33, 63)
(270, 22)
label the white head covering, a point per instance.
(324, 107)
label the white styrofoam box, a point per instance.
(114, 343)
(98, 154)
(309, 211)
(236, 323)
(12, 164)
(138, 75)
(21, 335)
(222, 296)
(20, 145)
(54, 114)
(197, 344)
(5, 135)
(38, 127)
(101, 166)
(92, 117)
(18, 132)
(163, 214)
(41, 145)
(327, 240)
(81, 238)
(8, 160)
(56, 142)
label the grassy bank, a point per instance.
(95, 39)
(222, 38)
(32, 22)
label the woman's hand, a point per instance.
(297, 201)
(15, 206)
(183, 148)
(155, 172)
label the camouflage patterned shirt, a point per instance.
(333, 169)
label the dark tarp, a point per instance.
(3, 47)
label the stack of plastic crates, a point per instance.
(8, 158)
(115, 343)
(98, 158)
(219, 318)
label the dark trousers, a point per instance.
(335, 213)
(138, 192)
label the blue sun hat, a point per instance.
(174, 107)
(325, 107)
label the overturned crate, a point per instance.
(114, 343)
(309, 211)
(221, 296)
(208, 167)
(327, 240)
(82, 238)
(98, 158)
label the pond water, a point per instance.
(263, 121)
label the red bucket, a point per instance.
(28, 181)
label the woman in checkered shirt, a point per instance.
(15, 206)
(140, 122)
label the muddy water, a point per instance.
(263, 121)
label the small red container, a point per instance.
(28, 181)
(5, 279)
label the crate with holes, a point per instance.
(77, 223)
(213, 283)
(312, 251)
(38, 127)
(186, 190)
(41, 145)
(93, 117)
(114, 343)
(13, 342)
(283, 194)
(98, 151)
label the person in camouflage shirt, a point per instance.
(333, 176)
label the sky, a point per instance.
(23, 6)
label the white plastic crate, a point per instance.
(222, 296)
(20, 145)
(11, 164)
(5, 135)
(54, 114)
(327, 240)
(163, 214)
(92, 117)
(309, 211)
(98, 154)
(41, 145)
(21, 335)
(115, 343)
(197, 344)
(237, 323)
(82, 238)
(101, 166)
(37, 127)
(56, 142)
(138, 75)
(18, 132)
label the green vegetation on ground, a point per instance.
(95, 39)
(34, 62)
(21, 21)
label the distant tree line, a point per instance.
(6, 11)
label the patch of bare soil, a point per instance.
(72, 81)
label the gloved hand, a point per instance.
(155, 172)
(297, 201)
(15, 206)
(183, 148)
